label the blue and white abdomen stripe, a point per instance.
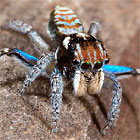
(63, 21)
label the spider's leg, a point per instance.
(56, 97)
(26, 59)
(21, 27)
(94, 28)
(115, 105)
(36, 70)
(121, 72)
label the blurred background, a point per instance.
(28, 116)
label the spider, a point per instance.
(80, 57)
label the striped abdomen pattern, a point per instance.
(65, 21)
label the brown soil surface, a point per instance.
(28, 116)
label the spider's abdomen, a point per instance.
(63, 21)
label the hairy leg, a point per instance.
(21, 27)
(94, 28)
(36, 70)
(115, 105)
(56, 97)
(26, 59)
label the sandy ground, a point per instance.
(28, 117)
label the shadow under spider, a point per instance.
(101, 105)
(132, 108)
(89, 107)
(10, 82)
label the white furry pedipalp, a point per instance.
(76, 80)
(79, 84)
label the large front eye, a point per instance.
(75, 62)
(107, 61)
(86, 65)
(98, 65)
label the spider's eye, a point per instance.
(86, 65)
(98, 65)
(107, 61)
(75, 62)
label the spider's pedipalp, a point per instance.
(96, 82)
(36, 70)
(115, 105)
(79, 84)
(21, 27)
(56, 97)
(94, 28)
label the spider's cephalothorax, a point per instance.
(83, 56)
(79, 57)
